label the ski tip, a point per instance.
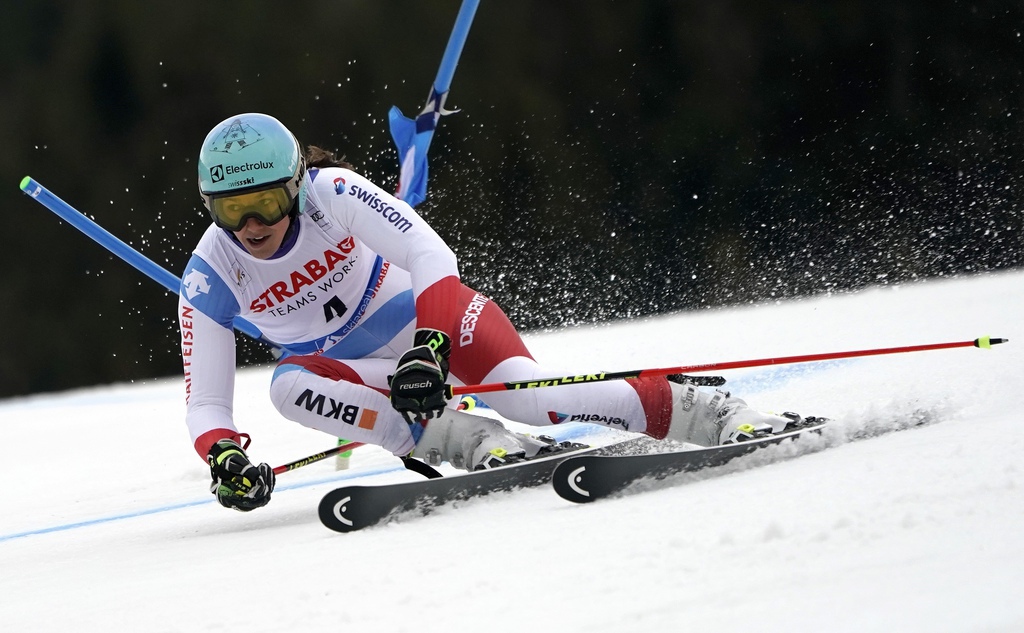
(570, 481)
(986, 342)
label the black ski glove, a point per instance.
(418, 389)
(237, 483)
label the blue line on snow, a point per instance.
(188, 504)
(775, 377)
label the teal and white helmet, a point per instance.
(250, 165)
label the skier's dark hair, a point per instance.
(319, 157)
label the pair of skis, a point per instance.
(581, 475)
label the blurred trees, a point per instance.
(611, 159)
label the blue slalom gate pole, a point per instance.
(412, 136)
(456, 41)
(104, 238)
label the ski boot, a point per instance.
(470, 441)
(711, 419)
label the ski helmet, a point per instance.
(250, 165)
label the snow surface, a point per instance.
(106, 522)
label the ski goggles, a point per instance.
(269, 205)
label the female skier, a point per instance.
(366, 302)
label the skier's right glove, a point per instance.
(237, 483)
(418, 389)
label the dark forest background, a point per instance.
(612, 159)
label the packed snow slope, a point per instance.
(106, 522)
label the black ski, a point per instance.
(351, 508)
(585, 478)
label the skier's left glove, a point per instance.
(418, 389)
(237, 482)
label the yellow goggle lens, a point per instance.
(268, 206)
